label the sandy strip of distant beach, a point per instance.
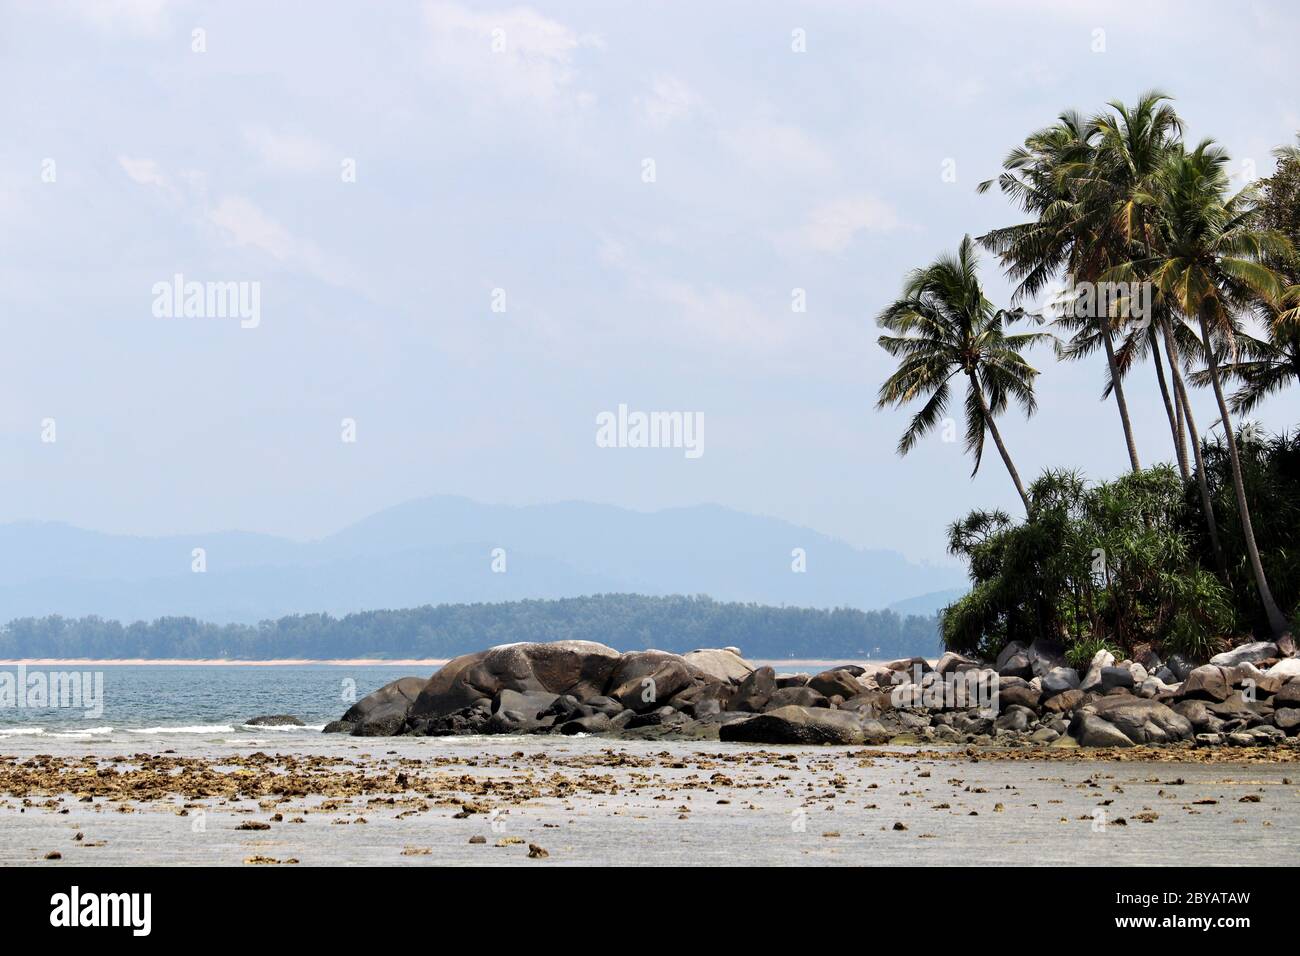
(213, 662)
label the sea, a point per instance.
(94, 701)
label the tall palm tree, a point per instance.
(1088, 184)
(1132, 145)
(1079, 179)
(946, 328)
(1207, 257)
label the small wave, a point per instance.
(22, 731)
(82, 734)
(282, 728)
(197, 729)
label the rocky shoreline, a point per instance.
(1028, 698)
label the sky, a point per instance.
(473, 228)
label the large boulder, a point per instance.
(644, 680)
(523, 712)
(877, 676)
(279, 720)
(702, 697)
(1045, 655)
(1142, 721)
(1207, 682)
(1021, 695)
(1065, 702)
(1287, 718)
(952, 663)
(1286, 669)
(1058, 680)
(1014, 718)
(1197, 714)
(1112, 677)
(385, 709)
(838, 681)
(1251, 653)
(754, 690)
(1288, 695)
(906, 668)
(720, 664)
(1013, 661)
(579, 668)
(797, 696)
(1179, 666)
(1093, 731)
(804, 725)
(1092, 680)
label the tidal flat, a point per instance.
(541, 801)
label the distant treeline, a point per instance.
(623, 621)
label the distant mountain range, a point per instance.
(927, 604)
(441, 549)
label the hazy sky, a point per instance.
(522, 169)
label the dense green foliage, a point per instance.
(1113, 562)
(1270, 468)
(1128, 561)
(623, 621)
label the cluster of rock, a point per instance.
(1248, 696)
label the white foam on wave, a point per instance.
(197, 729)
(85, 734)
(282, 728)
(22, 731)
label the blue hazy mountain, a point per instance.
(440, 549)
(928, 604)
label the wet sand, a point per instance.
(396, 801)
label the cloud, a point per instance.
(242, 222)
(146, 172)
(776, 149)
(668, 101)
(245, 224)
(289, 152)
(832, 226)
(706, 314)
(132, 16)
(516, 55)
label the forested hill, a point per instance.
(623, 621)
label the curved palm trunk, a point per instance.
(1202, 482)
(1275, 619)
(997, 440)
(1183, 427)
(1118, 389)
(1174, 415)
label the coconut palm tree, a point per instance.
(945, 328)
(1079, 179)
(1207, 253)
(1089, 183)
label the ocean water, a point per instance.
(127, 701)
